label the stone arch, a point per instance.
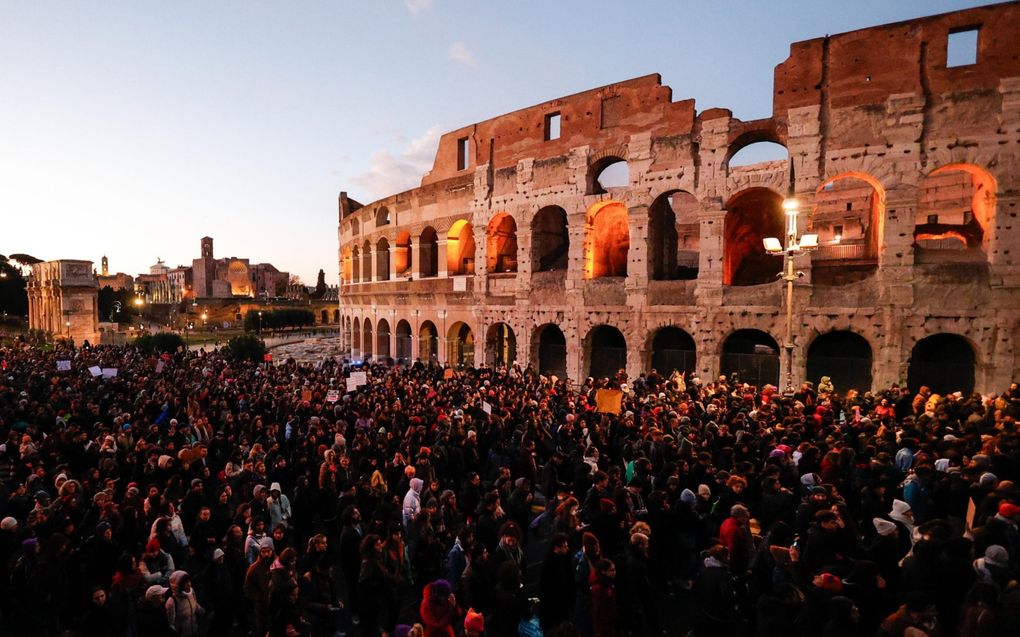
(382, 217)
(382, 259)
(356, 338)
(324, 317)
(366, 261)
(764, 132)
(345, 265)
(501, 244)
(428, 253)
(550, 240)
(549, 347)
(500, 345)
(402, 254)
(943, 362)
(672, 349)
(405, 342)
(382, 335)
(751, 354)
(428, 342)
(955, 219)
(608, 240)
(336, 316)
(848, 214)
(460, 249)
(605, 350)
(673, 236)
(367, 342)
(355, 227)
(844, 356)
(355, 265)
(616, 163)
(751, 215)
(460, 343)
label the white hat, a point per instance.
(266, 543)
(884, 527)
(274, 487)
(8, 524)
(900, 507)
(217, 554)
(155, 592)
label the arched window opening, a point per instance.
(355, 265)
(607, 352)
(673, 237)
(382, 217)
(428, 342)
(552, 350)
(428, 253)
(382, 260)
(500, 345)
(501, 244)
(845, 357)
(673, 349)
(366, 262)
(944, 363)
(608, 240)
(336, 317)
(382, 348)
(751, 216)
(759, 153)
(355, 228)
(955, 215)
(345, 265)
(460, 249)
(550, 241)
(751, 356)
(368, 341)
(460, 341)
(848, 211)
(609, 172)
(402, 254)
(356, 340)
(324, 317)
(404, 342)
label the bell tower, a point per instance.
(106, 266)
(207, 247)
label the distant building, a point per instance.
(224, 278)
(119, 281)
(63, 300)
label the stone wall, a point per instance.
(880, 135)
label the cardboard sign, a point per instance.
(332, 395)
(608, 401)
(63, 366)
(159, 367)
(486, 407)
(96, 370)
(109, 372)
(306, 395)
(356, 379)
(448, 374)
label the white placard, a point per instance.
(486, 407)
(96, 370)
(159, 367)
(109, 372)
(332, 396)
(459, 284)
(356, 379)
(63, 366)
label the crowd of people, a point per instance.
(189, 495)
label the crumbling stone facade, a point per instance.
(905, 166)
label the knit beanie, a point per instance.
(474, 621)
(884, 527)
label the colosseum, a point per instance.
(523, 244)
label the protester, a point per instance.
(138, 504)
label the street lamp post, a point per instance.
(795, 246)
(260, 323)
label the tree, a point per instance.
(246, 347)
(278, 319)
(159, 342)
(320, 285)
(13, 292)
(108, 310)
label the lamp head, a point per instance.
(772, 245)
(790, 206)
(808, 242)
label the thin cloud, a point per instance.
(417, 6)
(459, 53)
(391, 173)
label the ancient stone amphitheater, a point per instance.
(611, 229)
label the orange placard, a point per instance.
(608, 401)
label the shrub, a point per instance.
(159, 342)
(246, 347)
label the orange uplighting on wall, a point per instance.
(608, 241)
